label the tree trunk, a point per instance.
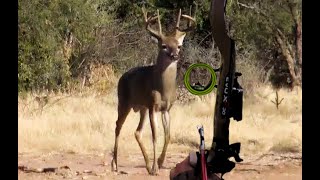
(299, 42)
(293, 6)
(288, 57)
(299, 49)
(292, 55)
(67, 46)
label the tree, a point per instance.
(53, 36)
(274, 27)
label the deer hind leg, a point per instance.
(138, 135)
(153, 122)
(123, 112)
(166, 127)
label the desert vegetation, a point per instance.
(72, 53)
(85, 123)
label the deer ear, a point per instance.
(154, 40)
(180, 38)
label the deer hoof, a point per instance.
(155, 170)
(160, 162)
(114, 166)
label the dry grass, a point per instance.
(86, 123)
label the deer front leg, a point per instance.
(153, 122)
(166, 127)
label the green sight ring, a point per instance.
(198, 91)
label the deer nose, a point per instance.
(174, 56)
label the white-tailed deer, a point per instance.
(151, 89)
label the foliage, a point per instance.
(111, 32)
(42, 30)
(256, 23)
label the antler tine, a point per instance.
(178, 19)
(144, 14)
(191, 25)
(148, 21)
(159, 22)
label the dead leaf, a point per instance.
(64, 167)
(101, 174)
(123, 172)
(37, 170)
(22, 168)
(45, 170)
(87, 171)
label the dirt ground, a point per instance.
(75, 166)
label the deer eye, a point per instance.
(179, 47)
(164, 46)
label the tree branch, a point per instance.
(245, 6)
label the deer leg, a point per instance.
(153, 122)
(166, 127)
(138, 135)
(123, 112)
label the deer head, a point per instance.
(169, 45)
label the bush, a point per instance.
(59, 41)
(52, 37)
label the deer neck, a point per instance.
(166, 73)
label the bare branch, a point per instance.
(245, 6)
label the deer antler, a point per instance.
(190, 25)
(156, 34)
